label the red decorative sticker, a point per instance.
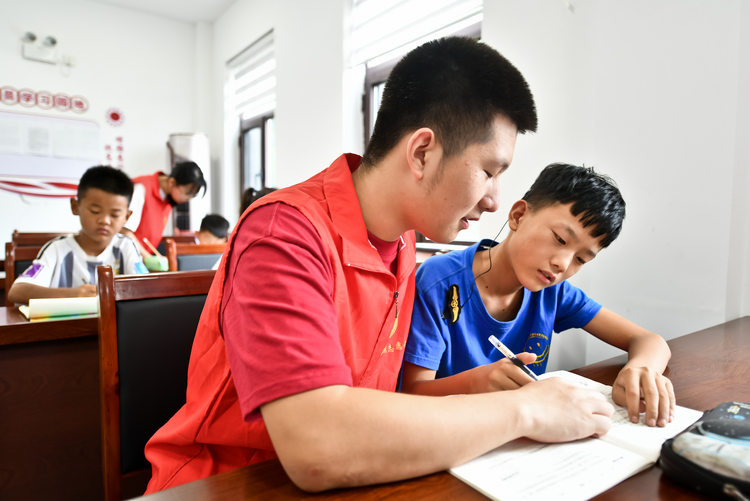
(45, 100)
(8, 95)
(27, 97)
(79, 104)
(115, 118)
(62, 102)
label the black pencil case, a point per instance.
(713, 455)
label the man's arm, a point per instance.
(501, 375)
(21, 292)
(641, 377)
(337, 436)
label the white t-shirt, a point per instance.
(62, 262)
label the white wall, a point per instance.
(654, 94)
(139, 63)
(309, 53)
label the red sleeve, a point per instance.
(277, 314)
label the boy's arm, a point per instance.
(641, 377)
(338, 436)
(501, 375)
(22, 292)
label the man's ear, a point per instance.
(421, 150)
(74, 206)
(517, 212)
(223, 240)
(127, 216)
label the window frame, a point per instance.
(246, 125)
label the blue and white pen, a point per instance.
(510, 356)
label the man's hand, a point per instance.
(642, 389)
(85, 290)
(562, 411)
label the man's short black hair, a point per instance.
(594, 196)
(456, 86)
(216, 225)
(107, 179)
(189, 173)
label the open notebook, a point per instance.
(572, 471)
(60, 307)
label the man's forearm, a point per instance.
(338, 436)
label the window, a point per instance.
(250, 97)
(257, 153)
(384, 31)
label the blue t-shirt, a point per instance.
(449, 349)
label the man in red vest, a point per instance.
(153, 198)
(301, 339)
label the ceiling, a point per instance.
(190, 11)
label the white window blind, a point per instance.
(386, 29)
(251, 80)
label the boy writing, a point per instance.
(213, 230)
(517, 291)
(301, 338)
(66, 266)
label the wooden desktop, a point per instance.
(707, 368)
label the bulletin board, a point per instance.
(45, 156)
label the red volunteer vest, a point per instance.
(208, 435)
(155, 211)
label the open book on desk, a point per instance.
(58, 308)
(572, 471)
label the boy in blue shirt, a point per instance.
(517, 290)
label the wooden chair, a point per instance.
(183, 237)
(146, 328)
(33, 239)
(17, 259)
(190, 257)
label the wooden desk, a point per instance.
(15, 328)
(707, 368)
(50, 432)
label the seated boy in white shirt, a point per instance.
(66, 265)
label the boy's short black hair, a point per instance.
(595, 196)
(189, 173)
(107, 179)
(216, 225)
(456, 86)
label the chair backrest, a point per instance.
(17, 259)
(146, 328)
(190, 257)
(33, 239)
(183, 237)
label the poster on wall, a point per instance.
(44, 156)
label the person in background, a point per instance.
(153, 198)
(66, 265)
(518, 291)
(214, 229)
(250, 195)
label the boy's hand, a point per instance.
(643, 389)
(85, 290)
(503, 375)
